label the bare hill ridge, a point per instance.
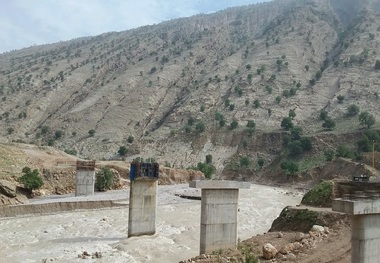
(164, 85)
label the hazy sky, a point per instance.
(27, 22)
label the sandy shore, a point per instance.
(62, 237)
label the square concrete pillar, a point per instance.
(365, 235)
(85, 178)
(142, 207)
(219, 209)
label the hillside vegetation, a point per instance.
(218, 84)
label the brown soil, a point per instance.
(332, 246)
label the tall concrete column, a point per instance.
(142, 207)
(143, 198)
(219, 209)
(85, 178)
(365, 236)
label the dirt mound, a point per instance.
(302, 219)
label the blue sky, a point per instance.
(24, 23)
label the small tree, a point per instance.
(352, 110)
(187, 128)
(91, 132)
(329, 155)
(130, 139)
(190, 121)
(251, 124)
(206, 169)
(306, 143)
(292, 113)
(340, 99)
(296, 132)
(200, 127)
(234, 124)
(123, 150)
(329, 124)
(377, 65)
(278, 99)
(208, 158)
(323, 115)
(290, 167)
(260, 162)
(245, 161)
(287, 123)
(104, 179)
(364, 144)
(344, 151)
(58, 134)
(31, 179)
(45, 129)
(294, 148)
(367, 119)
(71, 151)
(222, 122)
(256, 103)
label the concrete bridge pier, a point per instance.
(143, 198)
(85, 178)
(219, 209)
(365, 236)
(142, 207)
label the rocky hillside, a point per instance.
(57, 170)
(187, 88)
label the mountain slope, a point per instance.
(152, 82)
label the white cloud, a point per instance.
(25, 22)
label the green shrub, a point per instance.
(352, 110)
(329, 123)
(31, 179)
(206, 169)
(251, 124)
(287, 123)
(234, 124)
(260, 162)
(71, 151)
(58, 134)
(377, 65)
(294, 148)
(123, 150)
(256, 103)
(187, 129)
(290, 167)
(200, 127)
(323, 115)
(190, 121)
(340, 99)
(130, 139)
(344, 151)
(104, 179)
(208, 158)
(319, 195)
(329, 155)
(91, 132)
(245, 161)
(367, 119)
